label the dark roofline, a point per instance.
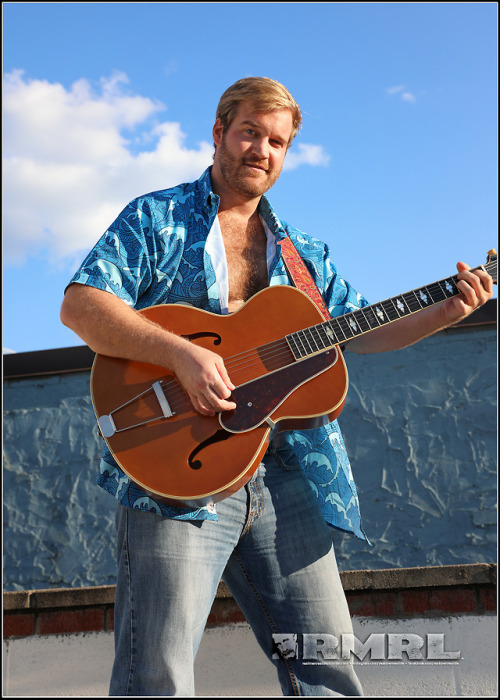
(80, 358)
(39, 362)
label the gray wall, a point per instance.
(420, 427)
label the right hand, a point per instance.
(204, 377)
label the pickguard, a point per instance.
(256, 400)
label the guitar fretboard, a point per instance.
(343, 328)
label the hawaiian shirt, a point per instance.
(155, 253)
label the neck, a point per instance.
(241, 205)
(240, 209)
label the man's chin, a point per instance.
(256, 185)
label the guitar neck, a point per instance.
(341, 329)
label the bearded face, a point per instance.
(250, 152)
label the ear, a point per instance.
(217, 132)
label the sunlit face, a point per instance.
(250, 153)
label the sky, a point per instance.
(395, 167)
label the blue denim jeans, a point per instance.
(274, 551)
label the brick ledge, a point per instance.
(431, 590)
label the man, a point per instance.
(212, 243)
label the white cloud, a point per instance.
(395, 89)
(404, 94)
(305, 154)
(408, 97)
(68, 167)
(73, 158)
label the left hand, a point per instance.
(476, 287)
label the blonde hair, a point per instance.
(263, 95)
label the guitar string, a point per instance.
(175, 390)
(267, 353)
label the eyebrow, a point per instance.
(250, 123)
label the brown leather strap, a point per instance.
(301, 276)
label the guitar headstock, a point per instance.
(491, 264)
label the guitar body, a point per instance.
(189, 459)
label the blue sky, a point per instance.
(395, 167)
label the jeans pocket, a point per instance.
(286, 458)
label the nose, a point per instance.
(261, 148)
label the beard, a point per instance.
(238, 176)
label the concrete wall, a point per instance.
(420, 426)
(230, 662)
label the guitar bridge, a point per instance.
(106, 423)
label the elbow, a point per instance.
(66, 314)
(71, 308)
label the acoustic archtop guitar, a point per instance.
(289, 373)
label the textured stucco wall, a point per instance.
(420, 427)
(58, 526)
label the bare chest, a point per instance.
(245, 245)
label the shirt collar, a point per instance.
(208, 196)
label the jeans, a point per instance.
(274, 551)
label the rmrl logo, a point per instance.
(327, 647)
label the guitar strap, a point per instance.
(301, 276)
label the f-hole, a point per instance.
(204, 334)
(218, 436)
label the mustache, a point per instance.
(260, 163)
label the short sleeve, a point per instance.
(339, 295)
(120, 262)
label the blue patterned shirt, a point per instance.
(155, 253)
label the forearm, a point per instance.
(110, 327)
(401, 333)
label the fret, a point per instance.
(345, 327)
(362, 320)
(316, 339)
(292, 345)
(308, 350)
(319, 338)
(329, 336)
(412, 302)
(436, 293)
(442, 290)
(390, 309)
(297, 351)
(402, 307)
(424, 296)
(448, 287)
(380, 314)
(338, 329)
(312, 339)
(371, 316)
(353, 323)
(418, 305)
